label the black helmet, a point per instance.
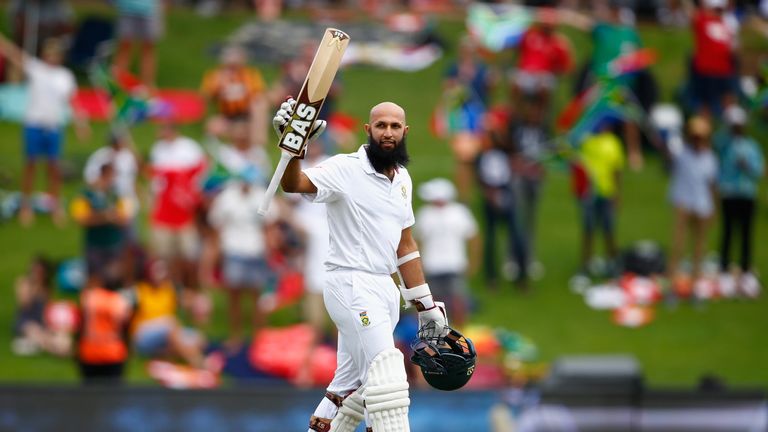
(447, 362)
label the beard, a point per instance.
(382, 160)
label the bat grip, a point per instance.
(276, 177)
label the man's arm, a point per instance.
(411, 271)
(295, 181)
(414, 288)
(11, 52)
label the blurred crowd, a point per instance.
(162, 230)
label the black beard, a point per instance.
(383, 160)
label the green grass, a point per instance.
(684, 342)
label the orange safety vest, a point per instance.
(105, 314)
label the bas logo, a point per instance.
(301, 125)
(364, 318)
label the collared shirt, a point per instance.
(366, 211)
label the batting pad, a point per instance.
(350, 414)
(386, 393)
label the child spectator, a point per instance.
(234, 213)
(601, 162)
(102, 340)
(51, 86)
(692, 189)
(444, 228)
(156, 330)
(33, 293)
(104, 215)
(121, 154)
(742, 164)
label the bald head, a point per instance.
(387, 109)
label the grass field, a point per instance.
(724, 337)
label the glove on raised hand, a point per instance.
(283, 117)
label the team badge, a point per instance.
(404, 192)
(364, 318)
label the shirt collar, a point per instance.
(368, 168)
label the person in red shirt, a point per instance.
(543, 55)
(177, 164)
(713, 67)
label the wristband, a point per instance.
(417, 296)
(408, 257)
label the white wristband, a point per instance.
(417, 293)
(408, 257)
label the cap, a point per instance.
(735, 115)
(715, 4)
(438, 189)
(699, 126)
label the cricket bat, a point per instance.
(293, 141)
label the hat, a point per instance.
(715, 4)
(438, 189)
(699, 126)
(735, 115)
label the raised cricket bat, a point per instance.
(293, 142)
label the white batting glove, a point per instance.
(429, 310)
(283, 117)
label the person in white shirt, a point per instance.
(234, 214)
(51, 87)
(122, 156)
(692, 192)
(367, 195)
(444, 228)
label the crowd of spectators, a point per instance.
(201, 206)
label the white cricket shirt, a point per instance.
(366, 211)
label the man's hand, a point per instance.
(434, 320)
(283, 117)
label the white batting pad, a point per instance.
(350, 414)
(386, 393)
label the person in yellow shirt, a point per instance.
(602, 160)
(156, 330)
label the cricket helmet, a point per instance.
(447, 362)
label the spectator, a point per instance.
(714, 81)
(156, 330)
(444, 228)
(102, 341)
(33, 293)
(467, 92)
(495, 178)
(176, 166)
(742, 164)
(139, 21)
(601, 161)
(51, 86)
(543, 55)
(614, 36)
(234, 213)
(238, 91)
(692, 189)
(120, 153)
(530, 139)
(35, 21)
(104, 216)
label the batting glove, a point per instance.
(429, 310)
(283, 117)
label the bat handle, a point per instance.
(276, 177)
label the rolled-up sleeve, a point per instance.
(328, 177)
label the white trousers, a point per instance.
(365, 308)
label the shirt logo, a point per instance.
(364, 318)
(404, 192)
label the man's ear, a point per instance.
(367, 128)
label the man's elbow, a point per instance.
(289, 186)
